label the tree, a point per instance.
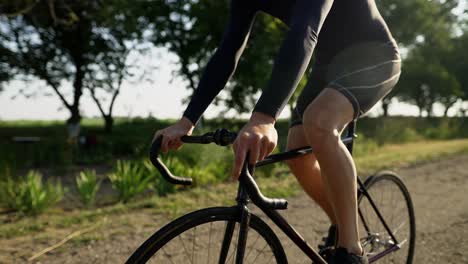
(193, 31)
(414, 23)
(457, 62)
(64, 41)
(426, 81)
(43, 42)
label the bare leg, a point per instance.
(307, 171)
(324, 120)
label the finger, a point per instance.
(178, 145)
(171, 145)
(254, 153)
(238, 162)
(175, 144)
(263, 149)
(270, 147)
(165, 144)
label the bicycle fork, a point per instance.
(242, 200)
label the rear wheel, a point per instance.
(393, 201)
(210, 236)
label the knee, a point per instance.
(320, 131)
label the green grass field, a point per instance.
(130, 138)
(281, 185)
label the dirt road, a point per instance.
(439, 190)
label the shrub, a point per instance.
(160, 185)
(29, 195)
(396, 133)
(364, 146)
(87, 185)
(444, 128)
(130, 179)
(199, 175)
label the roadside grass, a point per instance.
(391, 156)
(175, 204)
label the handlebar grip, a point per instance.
(154, 152)
(196, 139)
(256, 195)
(222, 137)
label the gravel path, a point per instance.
(439, 191)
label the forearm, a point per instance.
(218, 71)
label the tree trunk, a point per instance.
(75, 119)
(73, 124)
(421, 110)
(108, 123)
(447, 105)
(446, 111)
(385, 108)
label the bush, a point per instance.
(200, 175)
(443, 129)
(130, 179)
(160, 185)
(396, 133)
(364, 146)
(29, 195)
(87, 185)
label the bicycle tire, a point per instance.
(374, 238)
(155, 244)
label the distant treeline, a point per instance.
(84, 48)
(131, 138)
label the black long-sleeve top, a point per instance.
(340, 23)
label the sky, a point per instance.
(161, 99)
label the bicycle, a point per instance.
(208, 233)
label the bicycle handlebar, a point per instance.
(165, 172)
(220, 137)
(255, 194)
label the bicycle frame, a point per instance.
(248, 191)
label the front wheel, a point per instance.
(210, 236)
(393, 201)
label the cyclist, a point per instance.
(356, 64)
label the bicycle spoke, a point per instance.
(194, 239)
(209, 241)
(394, 206)
(185, 249)
(235, 249)
(397, 228)
(390, 197)
(226, 241)
(167, 255)
(261, 251)
(250, 250)
(269, 259)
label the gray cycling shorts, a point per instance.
(364, 73)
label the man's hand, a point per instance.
(172, 134)
(258, 137)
